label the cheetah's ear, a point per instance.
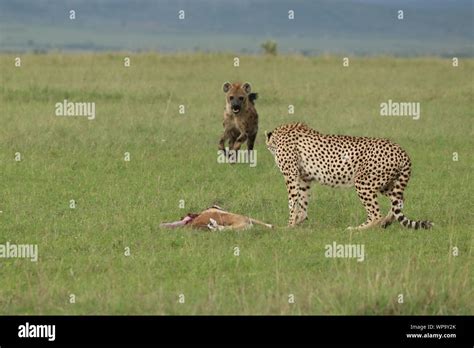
(226, 86)
(247, 87)
(268, 135)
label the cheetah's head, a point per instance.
(269, 141)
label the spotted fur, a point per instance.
(372, 165)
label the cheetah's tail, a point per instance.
(406, 222)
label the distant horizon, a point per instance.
(230, 54)
(324, 27)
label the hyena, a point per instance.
(240, 116)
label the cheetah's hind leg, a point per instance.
(368, 197)
(390, 217)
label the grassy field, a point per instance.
(120, 204)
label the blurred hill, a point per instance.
(357, 27)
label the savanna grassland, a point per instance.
(173, 157)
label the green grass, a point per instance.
(120, 204)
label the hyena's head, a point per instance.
(237, 96)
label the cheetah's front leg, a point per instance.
(303, 198)
(293, 203)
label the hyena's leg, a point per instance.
(251, 141)
(232, 142)
(232, 154)
(240, 140)
(222, 140)
(368, 196)
(303, 198)
(396, 198)
(233, 135)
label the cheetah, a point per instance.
(240, 116)
(372, 165)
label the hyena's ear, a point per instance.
(247, 87)
(226, 86)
